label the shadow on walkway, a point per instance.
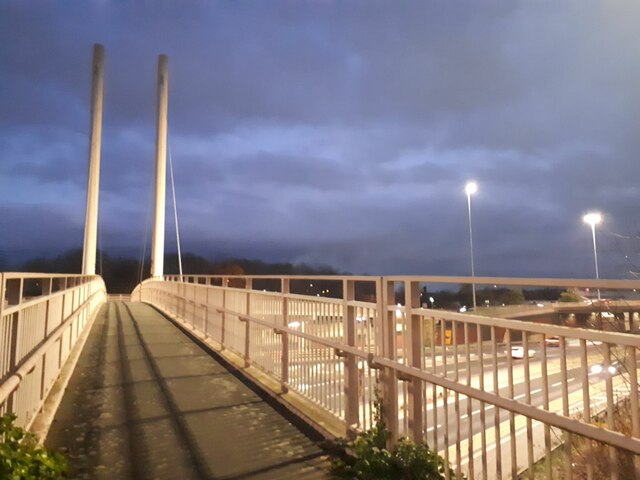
(146, 402)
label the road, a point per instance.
(320, 376)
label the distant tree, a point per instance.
(511, 297)
(570, 295)
(550, 294)
(69, 262)
(121, 275)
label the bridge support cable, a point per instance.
(175, 211)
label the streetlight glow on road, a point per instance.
(470, 188)
(593, 219)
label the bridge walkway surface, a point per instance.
(145, 401)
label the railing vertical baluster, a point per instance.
(483, 418)
(45, 333)
(195, 288)
(445, 398)
(223, 315)
(247, 333)
(2, 293)
(613, 453)
(387, 320)
(434, 388)
(565, 408)
(512, 418)
(284, 372)
(470, 466)
(527, 384)
(454, 337)
(632, 367)
(207, 289)
(496, 410)
(416, 359)
(350, 364)
(545, 405)
(586, 403)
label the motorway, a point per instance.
(316, 373)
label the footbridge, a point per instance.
(241, 377)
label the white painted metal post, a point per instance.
(416, 357)
(352, 416)
(157, 247)
(385, 295)
(285, 288)
(93, 182)
(248, 285)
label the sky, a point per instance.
(334, 133)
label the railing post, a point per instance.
(385, 296)
(247, 329)
(223, 315)
(416, 359)
(352, 416)
(14, 297)
(2, 294)
(284, 375)
(206, 310)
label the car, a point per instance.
(518, 352)
(614, 368)
(552, 341)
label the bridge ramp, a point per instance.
(146, 402)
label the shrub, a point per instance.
(368, 458)
(22, 458)
(570, 296)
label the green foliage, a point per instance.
(21, 458)
(570, 296)
(511, 297)
(368, 458)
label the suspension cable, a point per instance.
(175, 210)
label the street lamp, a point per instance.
(594, 218)
(470, 188)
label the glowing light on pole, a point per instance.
(593, 219)
(470, 188)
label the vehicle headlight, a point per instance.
(596, 369)
(612, 370)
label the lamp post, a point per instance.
(470, 188)
(592, 219)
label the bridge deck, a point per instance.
(147, 402)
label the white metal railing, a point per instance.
(41, 318)
(455, 380)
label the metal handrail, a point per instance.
(337, 330)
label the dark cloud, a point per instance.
(333, 132)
